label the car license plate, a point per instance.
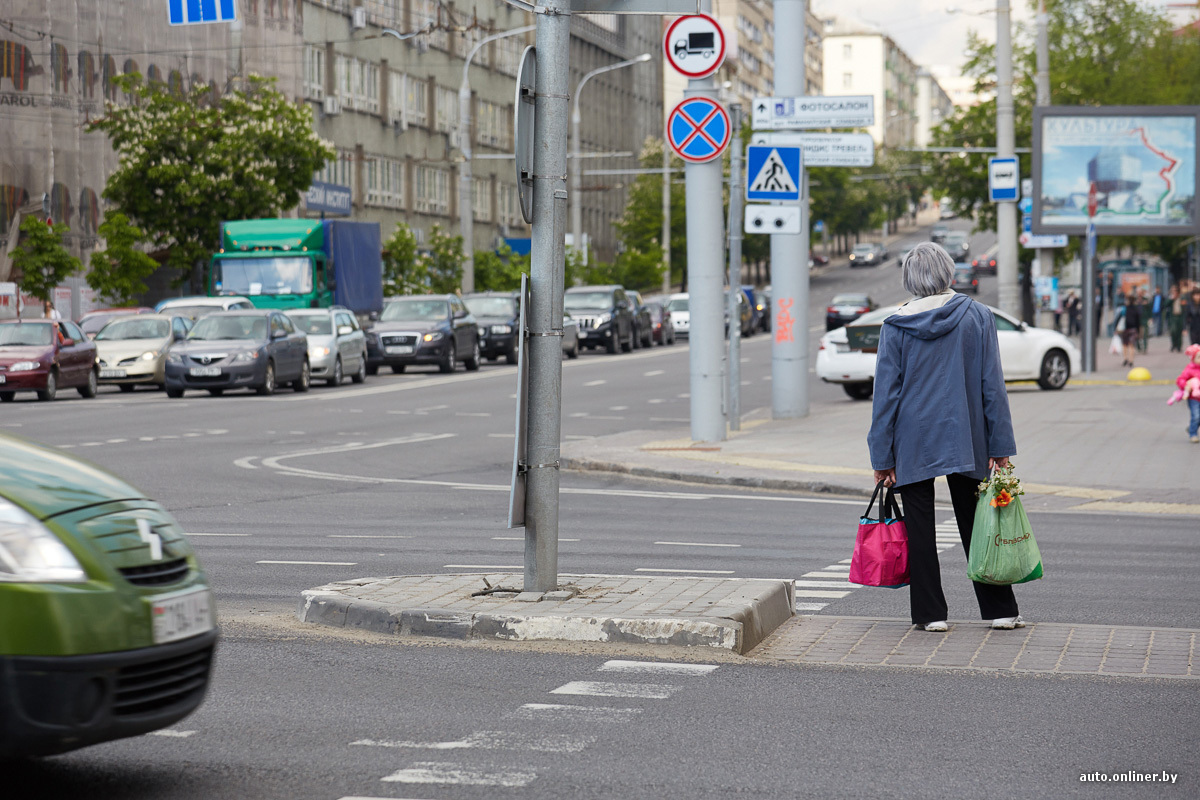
(182, 615)
(205, 372)
(398, 349)
(112, 373)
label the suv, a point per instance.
(498, 317)
(643, 323)
(604, 314)
(435, 329)
(868, 254)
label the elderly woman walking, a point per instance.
(940, 408)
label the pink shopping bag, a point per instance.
(881, 549)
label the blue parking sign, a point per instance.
(198, 12)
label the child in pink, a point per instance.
(1189, 389)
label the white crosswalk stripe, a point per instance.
(457, 775)
(657, 667)
(645, 691)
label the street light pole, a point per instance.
(466, 209)
(1006, 212)
(576, 198)
(1045, 256)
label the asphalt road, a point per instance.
(409, 474)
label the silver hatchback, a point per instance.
(337, 346)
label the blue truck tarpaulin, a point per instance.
(354, 249)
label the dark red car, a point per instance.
(662, 331)
(44, 356)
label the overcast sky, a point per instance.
(925, 30)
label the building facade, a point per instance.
(862, 61)
(934, 106)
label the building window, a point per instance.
(847, 80)
(396, 89)
(425, 12)
(481, 199)
(432, 190)
(510, 208)
(495, 125)
(847, 51)
(506, 54)
(314, 72)
(416, 101)
(447, 110)
(385, 182)
(368, 100)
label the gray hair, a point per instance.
(927, 269)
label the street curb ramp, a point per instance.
(737, 626)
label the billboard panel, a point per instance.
(1142, 159)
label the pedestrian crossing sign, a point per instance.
(774, 173)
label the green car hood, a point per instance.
(46, 482)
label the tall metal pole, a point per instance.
(789, 253)
(735, 267)
(1006, 212)
(466, 206)
(546, 297)
(576, 197)
(1045, 256)
(665, 236)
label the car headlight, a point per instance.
(174, 358)
(30, 553)
(483, 331)
(245, 357)
(603, 318)
(149, 355)
(502, 329)
(432, 337)
(318, 352)
(24, 366)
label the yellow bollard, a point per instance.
(1138, 374)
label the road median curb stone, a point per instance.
(726, 613)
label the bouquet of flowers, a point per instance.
(1004, 485)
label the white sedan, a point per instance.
(847, 355)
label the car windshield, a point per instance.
(134, 328)
(849, 300)
(28, 333)
(418, 309)
(95, 322)
(955, 238)
(863, 249)
(588, 301)
(234, 327)
(492, 306)
(254, 276)
(192, 312)
(315, 324)
(678, 304)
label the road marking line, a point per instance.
(192, 435)
(596, 383)
(817, 593)
(92, 444)
(244, 462)
(683, 396)
(598, 416)
(501, 435)
(593, 713)
(579, 414)
(644, 691)
(426, 409)
(456, 775)
(618, 408)
(493, 740)
(822, 575)
(656, 401)
(822, 584)
(698, 544)
(845, 561)
(810, 606)
(669, 419)
(471, 414)
(364, 536)
(172, 734)
(687, 571)
(405, 411)
(116, 441)
(66, 447)
(313, 563)
(216, 534)
(652, 373)
(484, 566)
(845, 567)
(657, 666)
(522, 538)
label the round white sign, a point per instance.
(695, 45)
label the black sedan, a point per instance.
(435, 329)
(259, 350)
(845, 308)
(498, 315)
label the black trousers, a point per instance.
(926, 600)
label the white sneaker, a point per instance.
(937, 627)
(1008, 623)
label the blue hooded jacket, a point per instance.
(940, 405)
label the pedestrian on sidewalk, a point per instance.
(1143, 304)
(1175, 318)
(1072, 304)
(940, 408)
(1193, 317)
(1156, 311)
(1189, 389)
(1128, 326)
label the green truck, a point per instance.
(300, 263)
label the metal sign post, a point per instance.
(735, 276)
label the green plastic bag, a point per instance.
(1003, 550)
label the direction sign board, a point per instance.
(799, 113)
(698, 129)
(695, 45)
(1003, 180)
(774, 173)
(1036, 241)
(825, 149)
(198, 12)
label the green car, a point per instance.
(107, 627)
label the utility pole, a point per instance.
(735, 268)
(545, 319)
(665, 237)
(1006, 211)
(1045, 256)
(789, 252)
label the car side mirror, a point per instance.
(460, 314)
(344, 330)
(278, 334)
(178, 337)
(1023, 326)
(68, 342)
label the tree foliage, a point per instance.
(189, 161)
(401, 273)
(640, 228)
(40, 259)
(442, 262)
(119, 271)
(499, 271)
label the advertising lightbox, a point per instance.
(1142, 160)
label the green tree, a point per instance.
(640, 227)
(403, 272)
(188, 161)
(40, 258)
(442, 263)
(118, 273)
(499, 271)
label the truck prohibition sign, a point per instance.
(696, 44)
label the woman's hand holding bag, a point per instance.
(881, 549)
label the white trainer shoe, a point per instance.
(1008, 623)
(937, 627)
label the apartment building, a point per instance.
(860, 60)
(934, 106)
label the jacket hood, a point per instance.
(931, 317)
